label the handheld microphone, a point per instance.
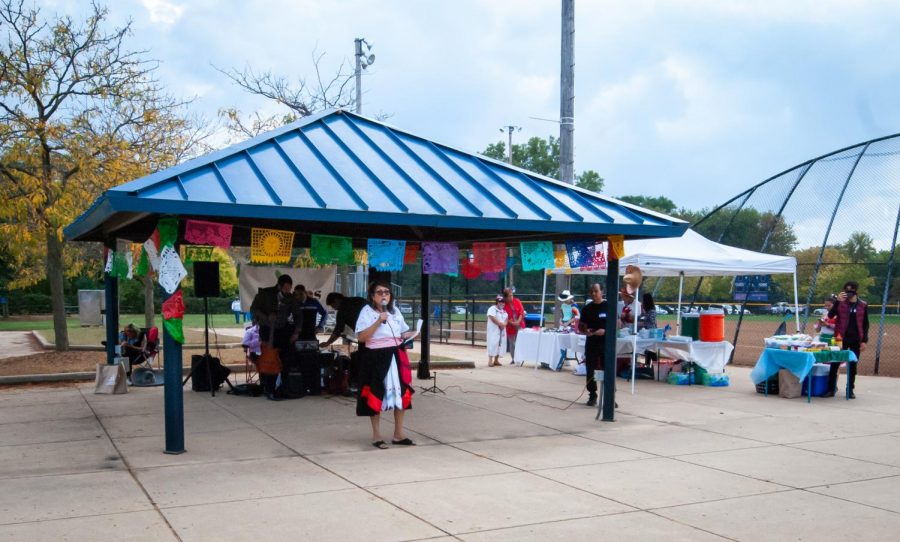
(384, 304)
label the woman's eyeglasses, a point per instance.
(382, 292)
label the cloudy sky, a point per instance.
(692, 99)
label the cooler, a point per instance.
(819, 377)
(690, 326)
(712, 325)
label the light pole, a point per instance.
(363, 61)
(510, 129)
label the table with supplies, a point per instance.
(549, 348)
(799, 363)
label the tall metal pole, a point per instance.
(358, 54)
(566, 118)
(567, 94)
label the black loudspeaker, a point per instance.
(206, 279)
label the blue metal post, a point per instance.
(609, 352)
(173, 393)
(111, 292)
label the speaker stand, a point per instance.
(204, 362)
(434, 387)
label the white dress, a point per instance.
(386, 335)
(496, 335)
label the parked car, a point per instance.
(459, 309)
(661, 310)
(724, 307)
(820, 311)
(405, 308)
(781, 308)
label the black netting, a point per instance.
(838, 216)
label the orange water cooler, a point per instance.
(712, 325)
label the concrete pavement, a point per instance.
(508, 453)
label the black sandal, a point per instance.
(380, 444)
(404, 442)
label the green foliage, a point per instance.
(542, 157)
(661, 204)
(589, 180)
(748, 228)
(859, 247)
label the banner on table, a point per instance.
(270, 246)
(201, 232)
(331, 250)
(386, 255)
(440, 258)
(254, 277)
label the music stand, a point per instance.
(434, 387)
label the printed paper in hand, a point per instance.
(171, 270)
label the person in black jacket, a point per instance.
(279, 315)
(593, 324)
(852, 326)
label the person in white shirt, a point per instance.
(497, 319)
(236, 309)
(385, 377)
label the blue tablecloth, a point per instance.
(798, 363)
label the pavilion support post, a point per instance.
(174, 391)
(424, 372)
(111, 293)
(609, 350)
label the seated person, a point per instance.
(132, 343)
(250, 342)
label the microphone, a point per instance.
(384, 304)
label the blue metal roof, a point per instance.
(345, 174)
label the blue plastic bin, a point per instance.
(819, 385)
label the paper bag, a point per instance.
(110, 379)
(788, 385)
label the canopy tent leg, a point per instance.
(680, 289)
(637, 312)
(796, 303)
(609, 348)
(543, 296)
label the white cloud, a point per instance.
(163, 11)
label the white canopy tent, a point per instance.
(690, 255)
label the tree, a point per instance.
(79, 112)
(656, 203)
(835, 270)
(860, 247)
(589, 180)
(542, 157)
(301, 97)
(748, 228)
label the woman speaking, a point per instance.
(385, 375)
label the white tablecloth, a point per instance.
(548, 348)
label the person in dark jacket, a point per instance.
(279, 316)
(852, 326)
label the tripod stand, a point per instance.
(206, 357)
(434, 387)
